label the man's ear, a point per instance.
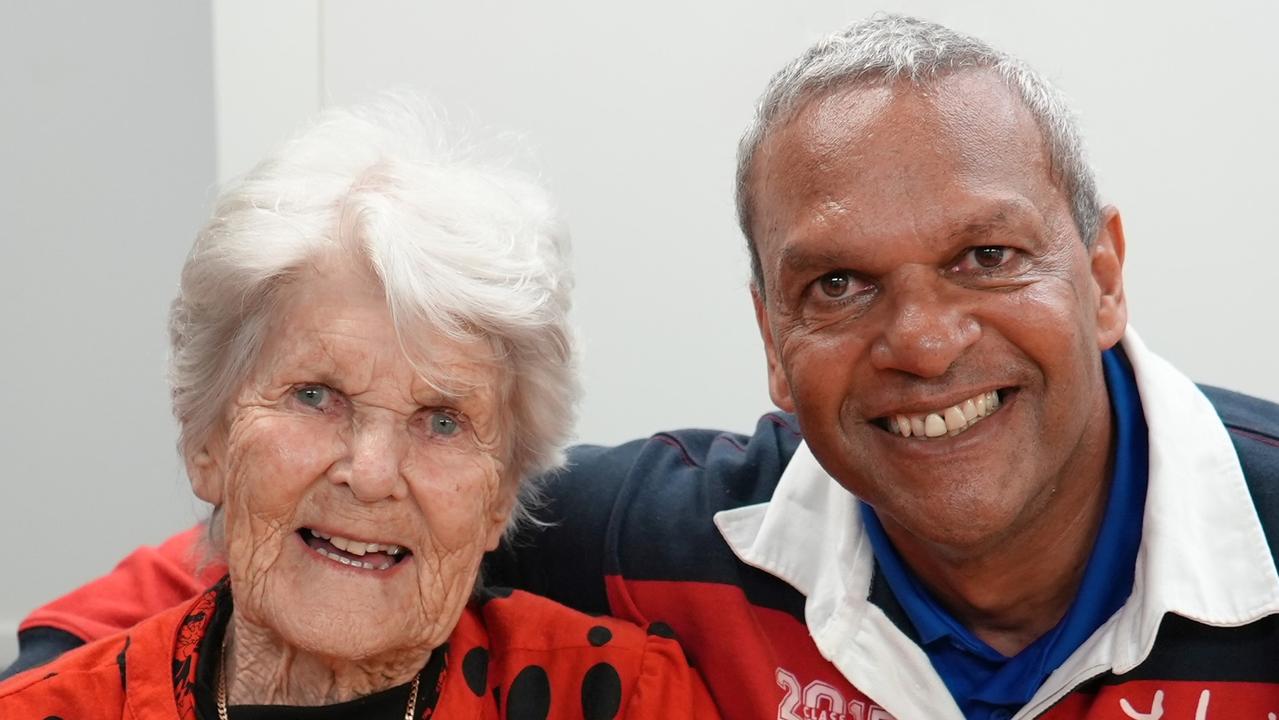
(1107, 265)
(204, 468)
(778, 386)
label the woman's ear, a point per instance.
(500, 515)
(204, 468)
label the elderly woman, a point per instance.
(370, 357)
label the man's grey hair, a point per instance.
(463, 246)
(895, 48)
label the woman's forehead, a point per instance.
(335, 319)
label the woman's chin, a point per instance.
(323, 607)
(353, 632)
(359, 646)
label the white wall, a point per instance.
(266, 58)
(634, 109)
(106, 163)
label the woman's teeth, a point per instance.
(946, 421)
(355, 547)
(384, 565)
(355, 553)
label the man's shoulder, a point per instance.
(1246, 416)
(742, 469)
(1253, 425)
(644, 510)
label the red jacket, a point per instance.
(594, 667)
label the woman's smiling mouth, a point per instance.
(354, 553)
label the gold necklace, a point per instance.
(408, 712)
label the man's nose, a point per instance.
(925, 331)
(378, 444)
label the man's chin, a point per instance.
(962, 506)
(996, 503)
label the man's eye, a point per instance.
(442, 423)
(834, 285)
(837, 285)
(316, 396)
(987, 257)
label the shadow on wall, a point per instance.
(8, 643)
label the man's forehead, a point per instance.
(887, 154)
(865, 118)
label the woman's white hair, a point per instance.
(892, 48)
(463, 246)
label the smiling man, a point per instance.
(935, 320)
(986, 498)
(1032, 496)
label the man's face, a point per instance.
(922, 269)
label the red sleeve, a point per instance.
(667, 687)
(149, 580)
(541, 659)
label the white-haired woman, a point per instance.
(370, 357)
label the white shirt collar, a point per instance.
(1203, 555)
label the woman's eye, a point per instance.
(442, 423)
(316, 396)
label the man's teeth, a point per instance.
(356, 547)
(946, 421)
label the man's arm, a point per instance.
(562, 557)
(149, 580)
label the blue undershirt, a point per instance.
(986, 684)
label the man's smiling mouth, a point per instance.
(947, 421)
(355, 553)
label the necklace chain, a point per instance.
(222, 715)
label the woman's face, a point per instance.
(358, 499)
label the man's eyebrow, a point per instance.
(797, 259)
(979, 229)
(1004, 216)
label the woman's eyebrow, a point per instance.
(427, 394)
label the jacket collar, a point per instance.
(811, 535)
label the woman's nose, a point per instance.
(378, 445)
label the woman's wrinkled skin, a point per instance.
(335, 430)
